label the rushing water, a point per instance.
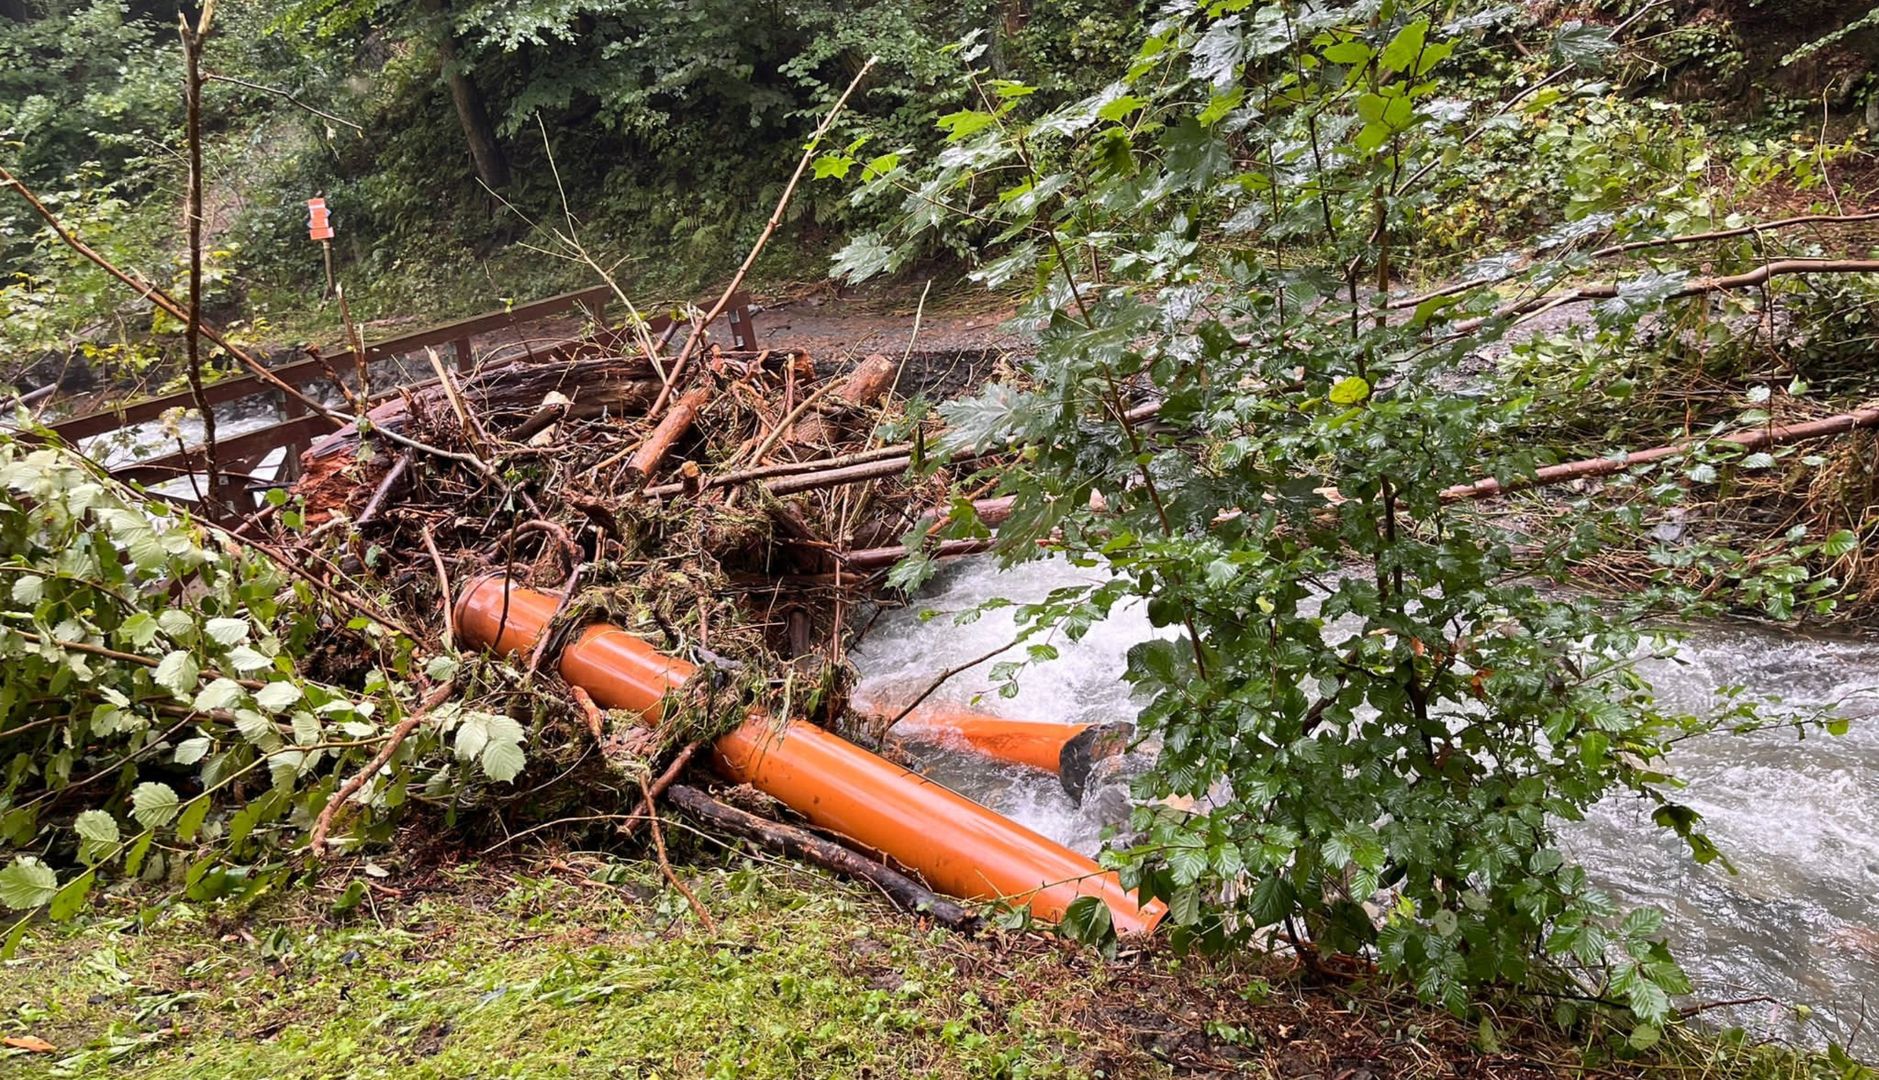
(1798, 922)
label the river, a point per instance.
(1798, 922)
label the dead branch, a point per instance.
(658, 847)
(677, 369)
(670, 429)
(869, 382)
(285, 95)
(392, 476)
(906, 893)
(1729, 234)
(1755, 439)
(933, 686)
(192, 38)
(788, 468)
(316, 840)
(1697, 287)
(443, 588)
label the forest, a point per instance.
(1279, 538)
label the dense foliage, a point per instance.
(1376, 701)
(156, 719)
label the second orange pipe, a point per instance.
(960, 847)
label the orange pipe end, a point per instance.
(1022, 742)
(960, 847)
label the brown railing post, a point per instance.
(466, 357)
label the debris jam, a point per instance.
(670, 563)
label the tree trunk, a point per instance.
(485, 152)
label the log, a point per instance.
(851, 474)
(876, 558)
(906, 893)
(1753, 439)
(787, 468)
(672, 426)
(869, 382)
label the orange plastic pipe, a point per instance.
(960, 847)
(1023, 742)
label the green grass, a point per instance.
(530, 977)
(578, 965)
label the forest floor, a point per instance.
(562, 963)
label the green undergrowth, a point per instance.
(572, 964)
(521, 975)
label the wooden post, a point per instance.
(466, 356)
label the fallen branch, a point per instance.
(1729, 234)
(776, 221)
(906, 893)
(1699, 286)
(316, 840)
(1755, 439)
(876, 558)
(941, 681)
(666, 779)
(377, 500)
(787, 468)
(443, 588)
(670, 428)
(665, 865)
(289, 97)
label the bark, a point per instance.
(876, 558)
(906, 893)
(492, 167)
(676, 422)
(869, 382)
(1755, 439)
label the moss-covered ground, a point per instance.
(571, 964)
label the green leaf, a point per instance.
(1403, 49)
(192, 818)
(1120, 108)
(70, 900)
(28, 588)
(965, 123)
(139, 630)
(27, 883)
(863, 257)
(227, 631)
(1839, 543)
(153, 804)
(223, 693)
(1584, 45)
(1087, 919)
(1349, 391)
(835, 165)
(178, 673)
(192, 750)
(245, 660)
(1349, 53)
(97, 833)
(502, 761)
(276, 697)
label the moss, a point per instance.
(537, 977)
(583, 966)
